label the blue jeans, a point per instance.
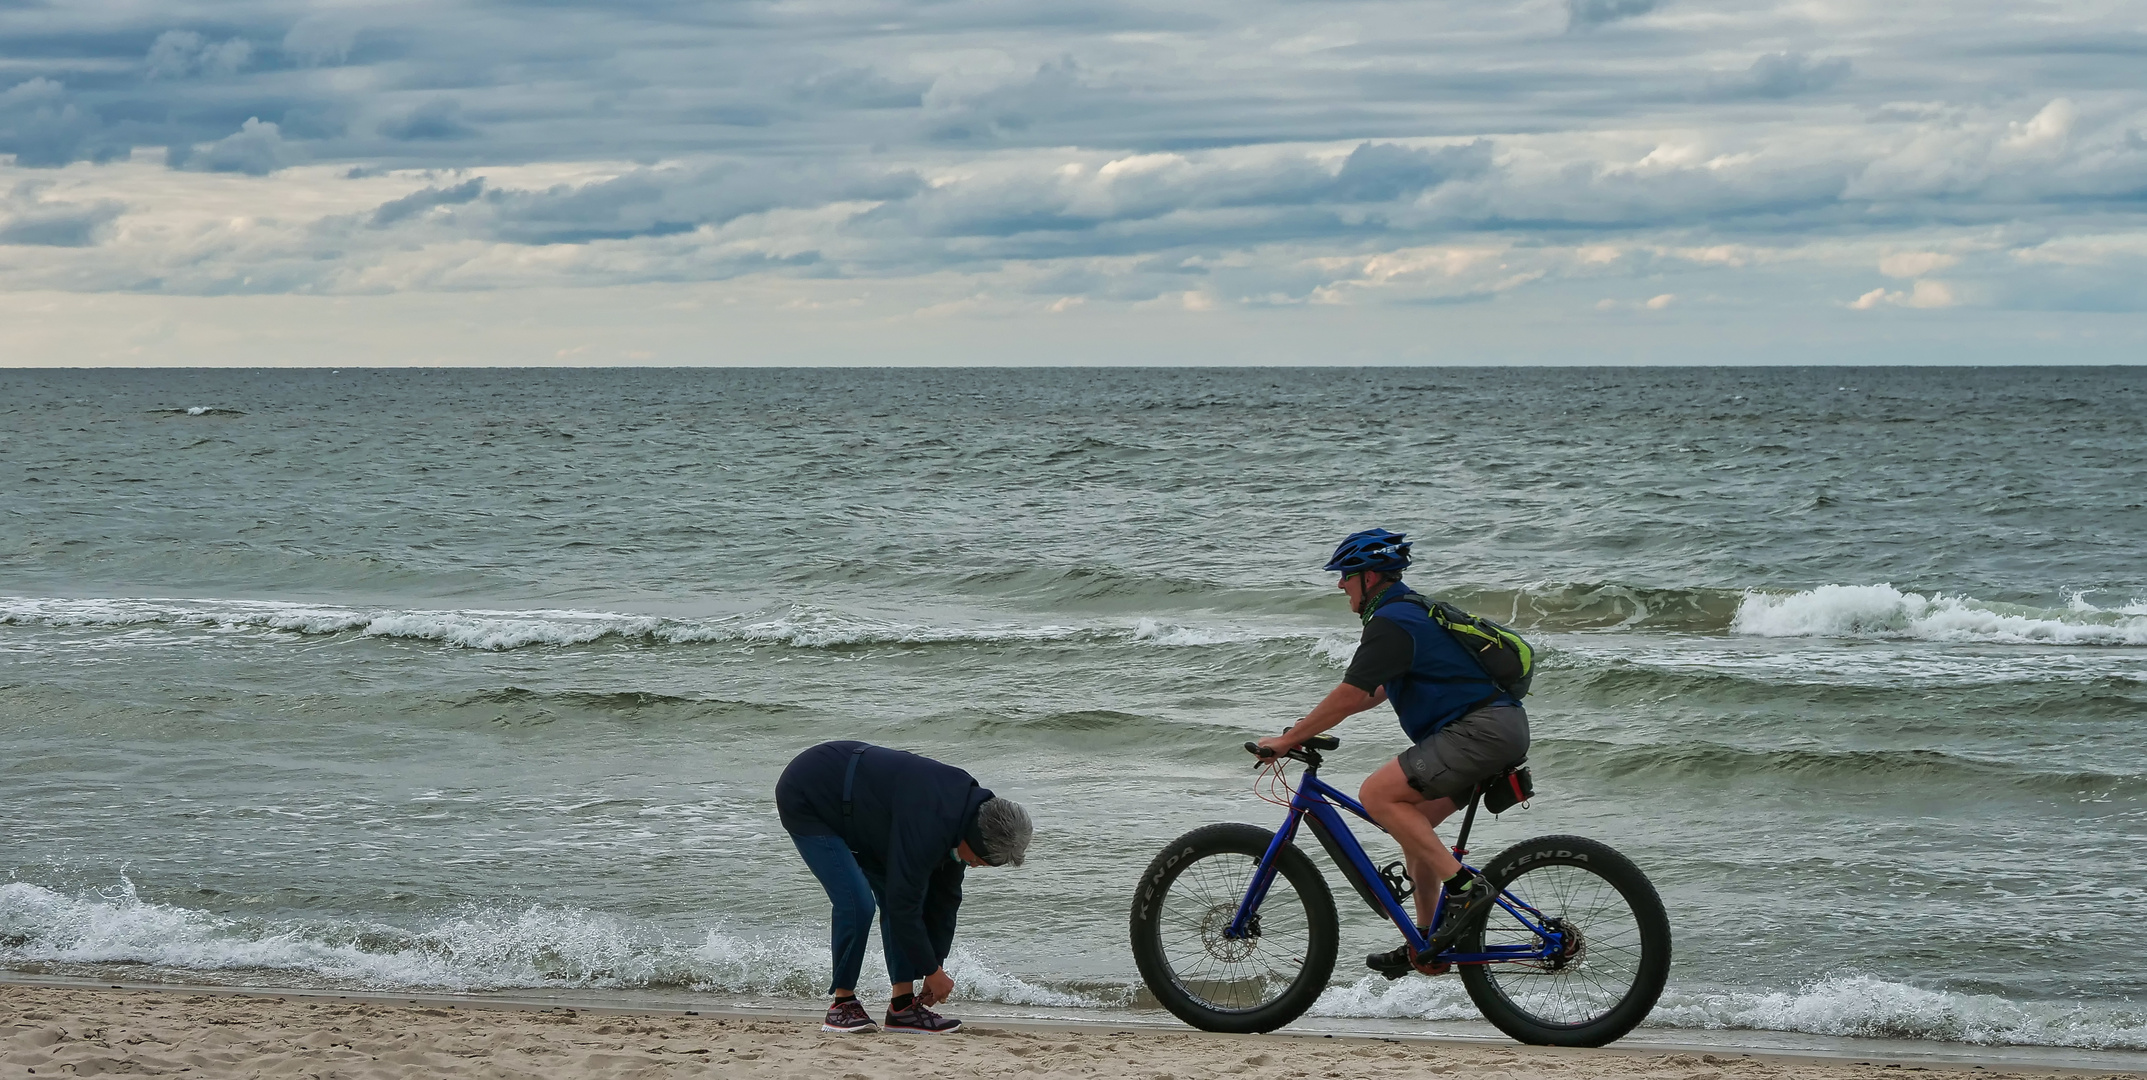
(852, 892)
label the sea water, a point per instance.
(480, 680)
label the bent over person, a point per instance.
(894, 827)
(1465, 728)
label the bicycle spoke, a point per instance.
(1234, 974)
(1588, 985)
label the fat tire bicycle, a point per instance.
(1234, 927)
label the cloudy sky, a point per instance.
(1074, 181)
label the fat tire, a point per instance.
(1646, 905)
(1324, 928)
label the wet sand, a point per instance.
(47, 1031)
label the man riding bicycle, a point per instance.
(1465, 728)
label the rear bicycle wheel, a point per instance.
(1617, 944)
(1183, 906)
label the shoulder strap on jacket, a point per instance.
(849, 779)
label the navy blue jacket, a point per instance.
(1443, 683)
(907, 813)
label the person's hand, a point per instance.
(1279, 744)
(938, 986)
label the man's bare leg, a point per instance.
(1408, 816)
(1427, 877)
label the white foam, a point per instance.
(496, 629)
(1335, 650)
(1171, 635)
(1855, 1006)
(1859, 1005)
(474, 948)
(1400, 999)
(541, 946)
(1882, 611)
(799, 626)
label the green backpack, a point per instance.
(1504, 655)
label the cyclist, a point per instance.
(899, 828)
(1464, 727)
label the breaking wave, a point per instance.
(473, 948)
(799, 627)
(1866, 1007)
(498, 630)
(551, 947)
(1856, 1006)
(1882, 611)
(1856, 769)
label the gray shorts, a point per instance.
(1467, 752)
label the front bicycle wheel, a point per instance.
(1616, 944)
(1183, 908)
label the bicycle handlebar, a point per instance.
(1316, 742)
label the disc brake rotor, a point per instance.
(1214, 928)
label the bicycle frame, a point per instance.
(1319, 803)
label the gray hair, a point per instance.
(1005, 829)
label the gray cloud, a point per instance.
(1099, 147)
(42, 127)
(1582, 14)
(654, 203)
(860, 88)
(256, 148)
(394, 210)
(179, 54)
(315, 41)
(1782, 75)
(1383, 172)
(29, 220)
(440, 118)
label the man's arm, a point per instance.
(942, 904)
(1384, 653)
(1341, 703)
(911, 866)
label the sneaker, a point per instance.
(1463, 909)
(921, 1021)
(1394, 963)
(847, 1017)
(1399, 961)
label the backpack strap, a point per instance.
(849, 780)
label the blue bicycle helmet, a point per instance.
(1376, 550)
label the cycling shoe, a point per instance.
(1463, 909)
(1394, 963)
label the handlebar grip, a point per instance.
(1256, 750)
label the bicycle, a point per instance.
(1234, 928)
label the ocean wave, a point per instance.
(495, 630)
(551, 947)
(1882, 611)
(473, 948)
(1854, 1006)
(1867, 1007)
(801, 626)
(1858, 768)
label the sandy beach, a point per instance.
(66, 1032)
